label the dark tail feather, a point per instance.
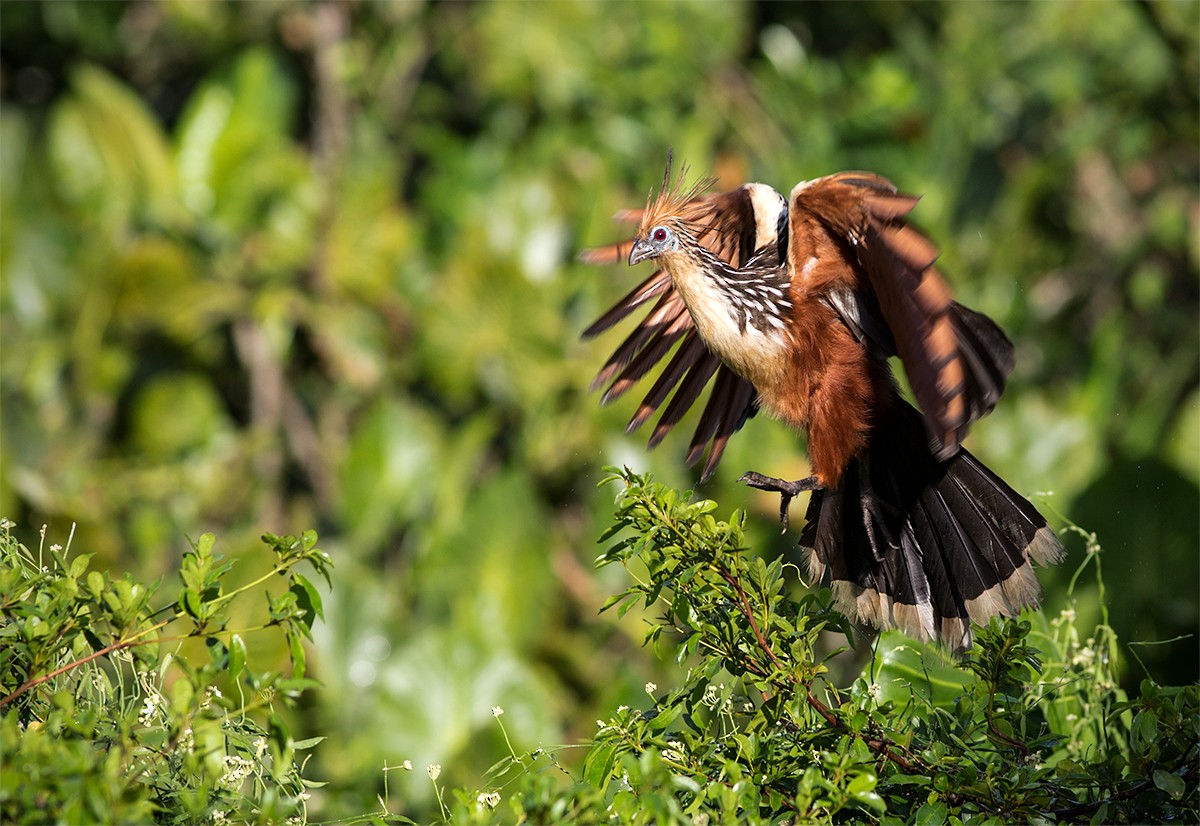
(924, 546)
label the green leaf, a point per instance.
(205, 545)
(299, 658)
(307, 743)
(218, 652)
(1145, 725)
(189, 600)
(931, 814)
(598, 765)
(870, 799)
(903, 668)
(1170, 783)
(237, 655)
(311, 599)
(666, 717)
(78, 565)
(863, 782)
(294, 688)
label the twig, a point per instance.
(880, 746)
(1012, 741)
(109, 649)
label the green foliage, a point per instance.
(120, 707)
(101, 723)
(755, 732)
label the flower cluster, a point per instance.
(237, 769)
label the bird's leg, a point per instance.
(786, 490)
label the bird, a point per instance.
(795, 305)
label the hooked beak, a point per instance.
(640, 252)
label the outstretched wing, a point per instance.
(957, 360)
(725, 223)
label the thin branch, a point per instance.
(1012, 741)
(880, 746)
(136, 640)
(108, 649)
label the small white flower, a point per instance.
(56, 548)
(407, 765)
(489, 799)
(435, 770)
(219, 817)
(6, 523)
(874, 690)
(651, 688)
(600, 724)
(622, 709)
(260, 746)
(149, 710)
(497, 711)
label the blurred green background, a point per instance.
(276, 265)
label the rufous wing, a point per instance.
(956, 360)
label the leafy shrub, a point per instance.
(122, 708)
(1031, 726)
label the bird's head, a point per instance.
(666, 225)
(657, 240)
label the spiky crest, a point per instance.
(675, 200)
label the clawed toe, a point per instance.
(787, 490)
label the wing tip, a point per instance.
(599, 255)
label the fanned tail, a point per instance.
(922, 545)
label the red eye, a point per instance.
(659, 234)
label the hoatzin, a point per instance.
(795, 306)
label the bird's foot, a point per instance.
(786, 490)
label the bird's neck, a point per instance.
(741, 327)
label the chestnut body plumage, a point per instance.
(794, 307)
